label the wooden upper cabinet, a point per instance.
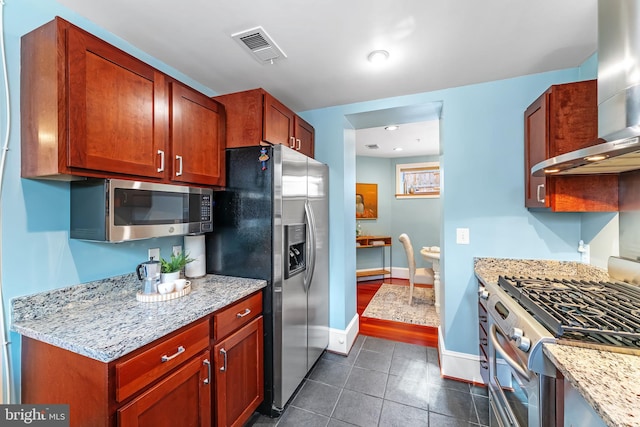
(115, 102)
(255, 117)
(564, 119)
(197, 137)
(304, 137)
(89, 109)
(278, 122)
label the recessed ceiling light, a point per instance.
(392, 127)
(551, 170)
(397, 149)
(378, 56)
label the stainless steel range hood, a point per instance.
(618, 98)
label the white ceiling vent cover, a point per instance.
(260, 45)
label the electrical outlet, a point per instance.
(154, 254)
(177, 249)
(462, 236)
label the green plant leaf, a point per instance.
(175, 263)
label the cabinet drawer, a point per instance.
(233, 317)
(141, 370)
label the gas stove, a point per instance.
(585, 313)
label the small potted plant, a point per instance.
(170, 270)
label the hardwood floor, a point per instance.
(398, 331)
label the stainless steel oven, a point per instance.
(521, 382)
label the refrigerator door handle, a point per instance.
(311, 220)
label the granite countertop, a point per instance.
(104, 321)
(607, 381)
(488, 269)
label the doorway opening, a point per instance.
(382, 266)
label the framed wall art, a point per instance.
(366, 201)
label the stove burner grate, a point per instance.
(602, 312)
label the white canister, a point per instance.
(195, 248)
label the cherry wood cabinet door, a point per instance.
(181, 399)
(278, 122)
(239, 368)
(304, 134)
(535, 151)
(117, 107)
(197, 137)
(564, 119)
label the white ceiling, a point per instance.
(432, 44)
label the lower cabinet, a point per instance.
(209, 373)
(239, 375)
(181, 399)
(238, 362)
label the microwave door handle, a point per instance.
(517, 367)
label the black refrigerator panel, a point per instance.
(241, 244)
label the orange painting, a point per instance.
(366, 201)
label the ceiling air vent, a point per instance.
(260, 45)
(372, 146)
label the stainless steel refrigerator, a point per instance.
(272, 223)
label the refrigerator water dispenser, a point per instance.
(295, 241)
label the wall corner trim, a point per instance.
(341, 341)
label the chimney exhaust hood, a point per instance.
(618, 149)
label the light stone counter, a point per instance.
(104, 321)
(609, 382)
(488, 269)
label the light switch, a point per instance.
(462, 236)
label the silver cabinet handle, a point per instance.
(540, 199)
(223, 352)
(161, 168)
(166, 358)
(292, 143)
(245, 313)
(179, 159)
(298, 144)
(208, 365)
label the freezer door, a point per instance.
(318, 286)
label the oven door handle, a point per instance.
(517, 367)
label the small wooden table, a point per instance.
(375, 242)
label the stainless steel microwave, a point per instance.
(117, 210)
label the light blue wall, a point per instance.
(483, 178)
(482, 142)
(419, 218)
(37, 254)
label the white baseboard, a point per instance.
(341, 341)
(466, 367)
(457, 365)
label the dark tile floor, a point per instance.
(382, 383)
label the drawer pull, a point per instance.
(208, 365)
(245, 313)
(166, 358)
(223, 352)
